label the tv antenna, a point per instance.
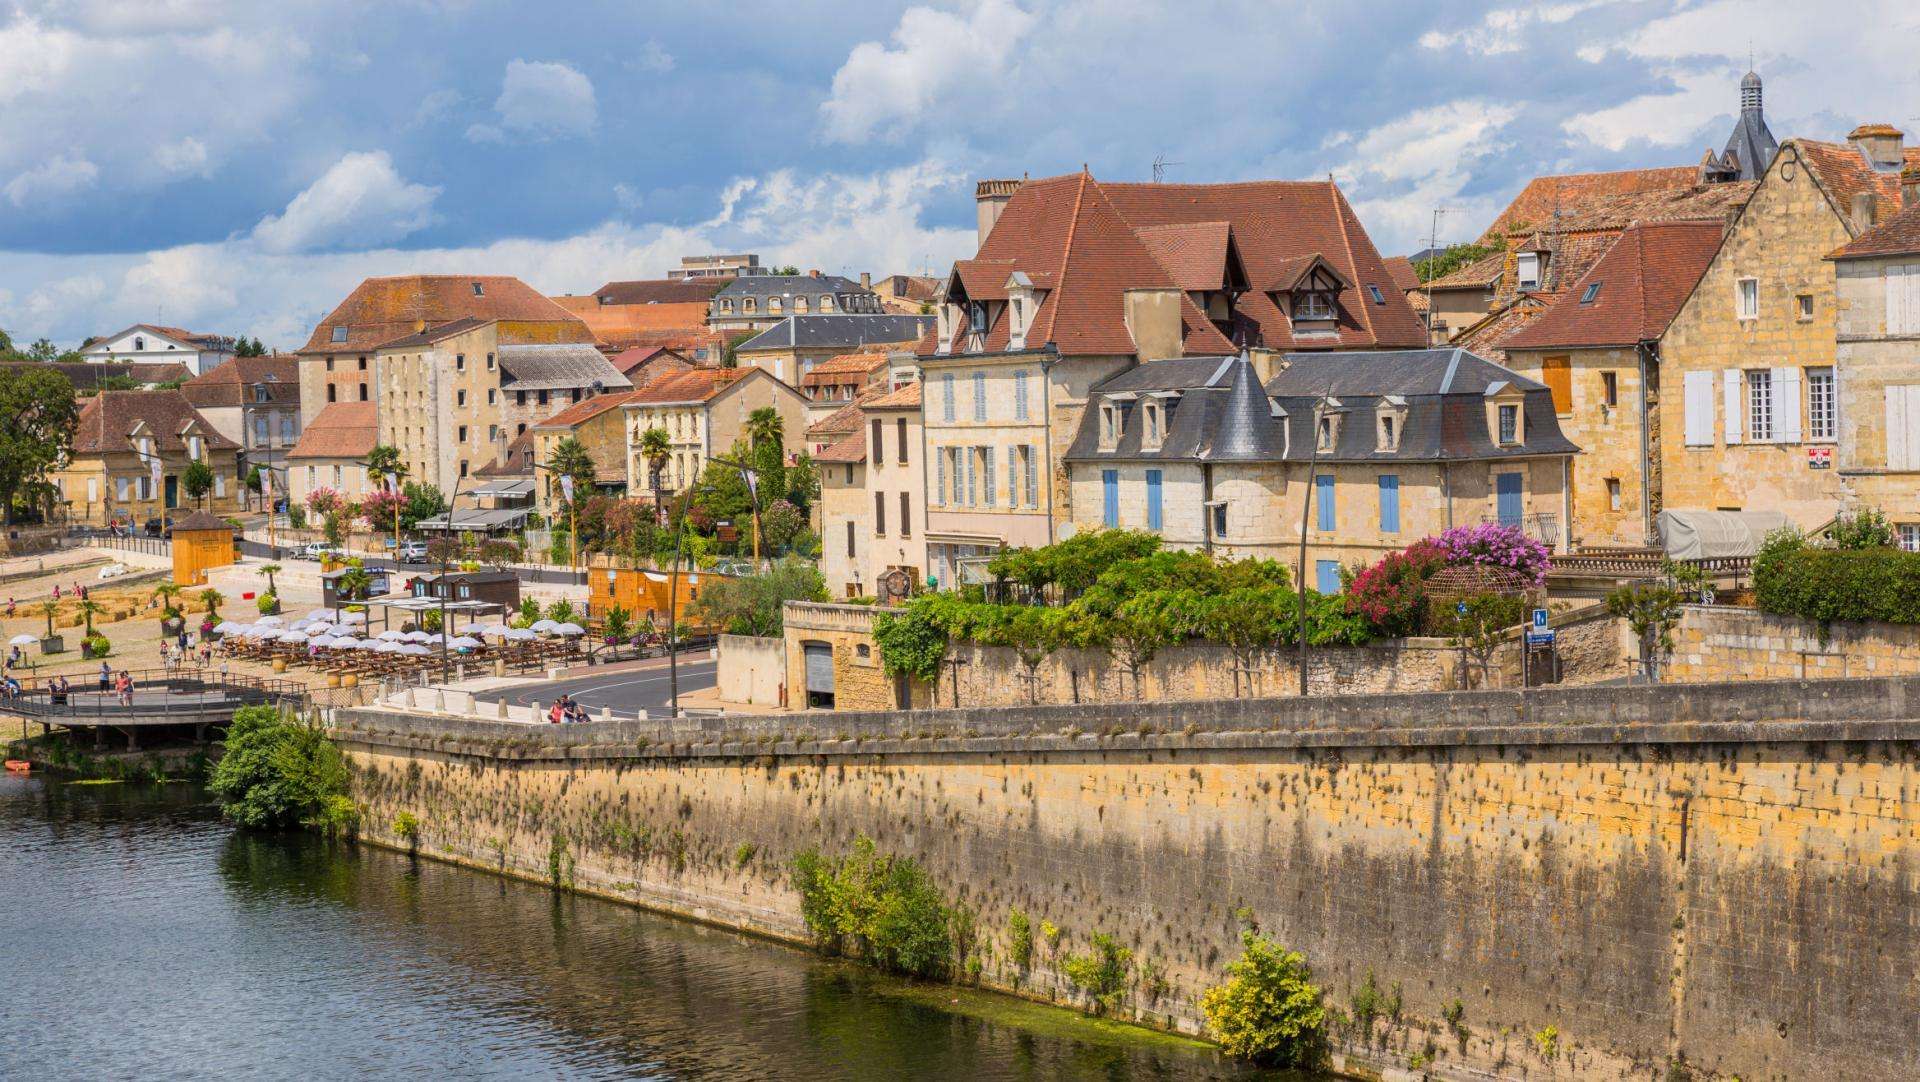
(1160, 164)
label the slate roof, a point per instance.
(839, 330)
(1084, 243)
(232, 383)
(1224, 415)
(1638, 287)
(1898, 235)
(108, 419)
(1751, 146)
(86, 376)
(380, 310)
(544, 367)
(793, 285)
(340, 430)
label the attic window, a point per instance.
(1312, 304)
(1326, 433)
(1527, 270)
(977, 317)
(1592, 291)
(479, 290)
(339, 334)
(1378, 297)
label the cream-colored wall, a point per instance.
(844, 498)
(1024, 525)
(889, 478)
(1608, 438)
(421, 411)
(342, 372)
(306, 474)
(686, 427)
(104, 470)
(1781, 240)
(604, 435)
(1869, 362)
(1459, 309)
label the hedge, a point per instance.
(1840, 585)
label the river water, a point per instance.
(141, 937)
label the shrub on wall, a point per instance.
(879, 908)
(277, 773)
(1269, 1010)
(1494, 545)
(1839, 585)
(1391, 595)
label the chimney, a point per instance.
(990, 198)
(1879, 144)
(1910, 187)
(814, 273)
(866, 279)
(1267, 362)
(1863, 212)
(1153, 318)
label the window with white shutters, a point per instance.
(1760, 405)
(1903, 299)
(1698, 397)
(1020, 394)
(1903, 426)
(946, 396)
(988, 490)
(940, 478)
(1822, 416)
(1910, 536)
(971, 477)
(979, 396)
(1033, 475)
(1786, 405)
(1013, 476)
(1731, 388)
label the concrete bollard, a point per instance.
(500, 708)
(606, 713)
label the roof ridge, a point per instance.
(1066, 254)
(1340, 212)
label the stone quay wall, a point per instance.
(1720, 872)
(1717, 642)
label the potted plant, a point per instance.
(93, 646)
(268, 604)
(51, 643)
(170, 619)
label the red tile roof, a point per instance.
(593, 407)
(905, 396)
(845, 368)
(108, 419)
(623, 323)
(1534, 207)
(693, 385)
(660, 291)
(231, 384)
(1843, 173)
(845, 419)
(1491, 334)
(851, 448)
(341, 430)
(1400, 268)
(1086, 243)
(382, 309)
(1898, 235)
(1639, 286)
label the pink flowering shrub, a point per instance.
(1392, 595)
(324, 501)
(1494, 545)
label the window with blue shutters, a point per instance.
(1020, 394)
(1110, 493)
(1323, 499)
(1326, 576)
(1153, 500)
(989, 491)
(1389, 503)
(1507, 498)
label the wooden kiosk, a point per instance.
(201, 542)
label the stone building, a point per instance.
(625, 314)
(600, 427)
(336, 364)
(1372, 450)
(148, 343)
(1077, 280)
(1878, 360)
(131, 451)
(751, 302)
(1598, 351)
(332, 453)
(704, 412)
(255, 402)
(1749, 417)
(873, 499)
(837, 381)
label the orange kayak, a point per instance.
(19, 766)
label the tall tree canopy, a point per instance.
(41, 412)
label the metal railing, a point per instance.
(132, 542)
(187, 693)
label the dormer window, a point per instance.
(726, 307)
(1109, 425)
(1155, 432)
(977, 317)
(774, 304)
(1527, 271)
(479, 289)
(800, 304)
(1311, 304)
(339, 334)
(1509, 424)
(748, 306)
(826, 303)
(1389, 432)
(1325, 434)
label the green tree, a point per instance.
(267, 571)
(1453, 258)
(1033, 633)
(212, 599)
(657, 448)
(1651, 610)
(276, 774)
(423, 502)
(1269, 1010)
(354, 582)
(764, 425)
(89, 608)
(169, 595)
(788, 271)
(385, 459)
(43, 350)
(1866, 528)
(197, 481)
(1477, 625)
(41, 414)
(752, 605)
(1248, 621)
(569, 458)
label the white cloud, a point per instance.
(889, 89)
(1504, 30)
(1822, 74)
(184, 157)
(360, 201)
(654, 57)
(540, 100)
(51, 180)
(252, 284)
(628, 198)
(1401, 171)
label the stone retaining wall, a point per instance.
(1724, 643)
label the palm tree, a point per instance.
(212, 599)
(656, 447)
(269, 570)
(167, 592)
(49, 609)
(89, 608)
(569, 458)
(764, 425)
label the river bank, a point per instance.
(173, 945)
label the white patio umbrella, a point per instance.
(22, 640)
(353, 617)
(319, 614)
(272, 620)
(293, 636)
(464, 642)
(262, 631)
(228, 627)
(391, 635)
(324, 642)
(386, 647)
(413, 648)
(543, 626)
(489, 629)
(569, 630)
(520, 634)
(414, 636)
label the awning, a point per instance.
(518, 486)
(489, 520)
(1715, 535)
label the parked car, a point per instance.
(413, 552)
(314, 550)
(160, 527)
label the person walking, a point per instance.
(126, 688)
(106, 677)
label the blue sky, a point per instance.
(237, 167)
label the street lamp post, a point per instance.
(1322, 405)
(453, 505)
(673, 600)
(752, 478)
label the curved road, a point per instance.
(646, 686)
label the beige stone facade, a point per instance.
(440, 402)
(857, 682)
(1753, 351)
(1879, 387)
(1715, 642)
(1597, 395)
(846, 535)
(704, 415)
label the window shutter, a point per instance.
(979, 396)
(1903, 427)
(971, 457)
(1730, 387)
(989, 490)
(1033, 477)
(1786, 405)
(1903, 300)
(1013, 476)
(1389, 503)
(1699, 405)
(940, 474)
(880, 514)
(1020, 396)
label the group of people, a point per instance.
(566, 710)
(60, 690)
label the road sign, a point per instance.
(1540, 638)
(1540, 619)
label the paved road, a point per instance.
(643, 688)
(375, 563)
